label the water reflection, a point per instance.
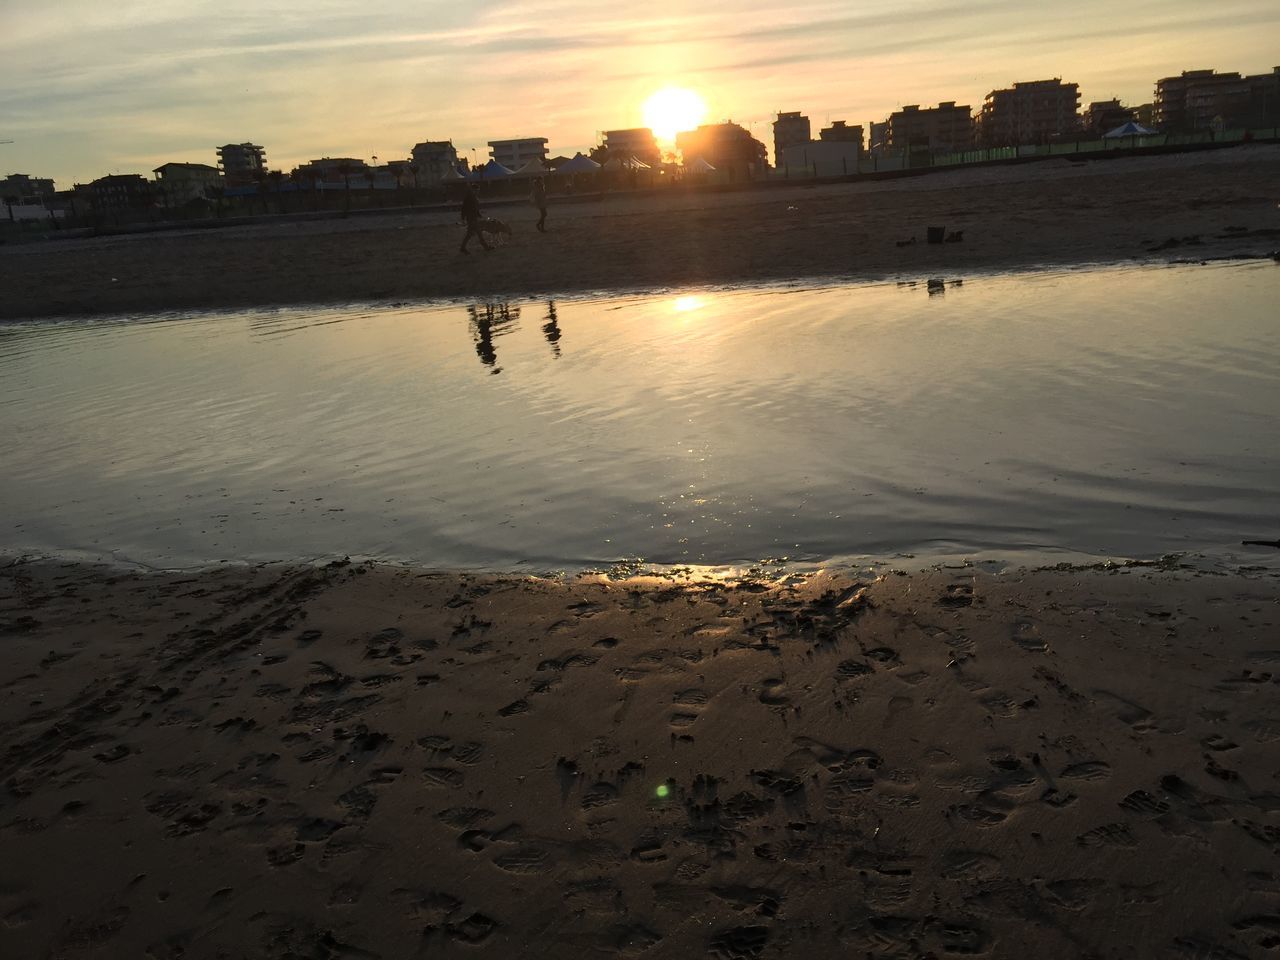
(490, 320)
(551, 329)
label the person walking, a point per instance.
(539, 199)
(471, 215)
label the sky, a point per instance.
(90, 87)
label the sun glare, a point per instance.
(673, 109)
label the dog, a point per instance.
(495, 229)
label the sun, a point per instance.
(673, 109)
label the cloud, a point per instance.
(89, 86)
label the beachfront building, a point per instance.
(945, 128)
(180, 183)
(841, 132)
(789, 130)
(26, 189)
(119, 192)
(638, 142)
(514, 154)
(242, 163)
(1206, 99)
(1035, 111)
(728, 147)
(332, 173)
(1104, 115)
(434, 159)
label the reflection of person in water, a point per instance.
(551, 329)
(491, 320)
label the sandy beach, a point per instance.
(1054, 213)
(358, 761)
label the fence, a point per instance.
(904, 160)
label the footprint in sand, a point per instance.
(773, 692)
(1108, 835)
(1088, 770)
(1027, 636)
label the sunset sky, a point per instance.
(89, 87)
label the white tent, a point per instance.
(1130, 129)
(625, 163)
(579, 164)
(534, 168)
(698, 165)
(451, 175)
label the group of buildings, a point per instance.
(1035, 112)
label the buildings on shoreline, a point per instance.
(1027, 113)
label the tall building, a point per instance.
(514, 154)
(788, 130)
(841, 132)
(26, 189)
(181, 183)
(945, 128)
(1029, 112)
(1103, 115)
(638, 142)
(1203, 99)
(728, 146)
(241, 163)
(434, 159)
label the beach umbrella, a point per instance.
(579, 164)
(1130, 129)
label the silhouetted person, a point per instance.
(539, 198)
(471, 214)
(551, 329)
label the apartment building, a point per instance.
(434, 160)
(180, 183)
(638, 142)
(727, 146)
(514, 154)
(841, 132)
(1035, 111)
(1205, 99)
(1103, 115)
(241, 163)
(946, 128)
(789, 129)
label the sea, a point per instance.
(1092, 415)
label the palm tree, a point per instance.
(260, 178)
(397, 171)
(414, 169)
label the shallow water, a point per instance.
(1117, 413)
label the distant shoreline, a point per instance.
(1054, 212)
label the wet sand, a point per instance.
(358, 761)
(1054, 213)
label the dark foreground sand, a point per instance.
(1054, 213)
(364, 762)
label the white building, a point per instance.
(514, 154)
